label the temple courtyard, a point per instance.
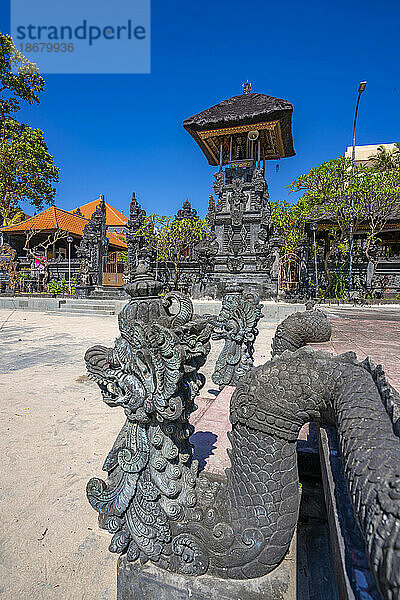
(56, 430)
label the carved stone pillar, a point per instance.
(237, 325)
(303, 249)
(93, 247)
(134, 243)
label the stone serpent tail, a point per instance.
(299, 329)
(159, 509)
(270, 405)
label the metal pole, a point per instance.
(361, 88)
(69, 266)
(315, 264)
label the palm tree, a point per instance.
(384, 159)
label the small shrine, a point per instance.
(238, 135)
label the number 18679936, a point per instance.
(47, 47)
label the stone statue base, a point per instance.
(148, 582)
(216, 288)
(84, 291)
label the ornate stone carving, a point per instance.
(152, 374)
(303, 249)
(210, 218)
(135, 244)
(9, 264)
(237, 325)
(235, 264)
(94, 244)
(204, 252)
(186, 212)
(155, 506)
(84, 274)
(218, 185)
(301, 328)
(242, 225)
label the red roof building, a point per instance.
(54, 218)
(115, 220)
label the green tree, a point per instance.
(27, 171)
(384, 159)
(347, 197)
(289, 222)
(19, 78)
(171, 239)
(380, 192)
(330, 191)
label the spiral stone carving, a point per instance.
(157, 507)
(237, 325)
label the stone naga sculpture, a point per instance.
(237, 325)
(159, 509)
(152, 373)
(301, 328)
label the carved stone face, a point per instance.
(118, 387)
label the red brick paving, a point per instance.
(378, 339)
(212, 417)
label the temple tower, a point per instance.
(238, 135)
(136, 220)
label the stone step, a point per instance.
(86, 311)
(88, 306)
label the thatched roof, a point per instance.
(244, 109)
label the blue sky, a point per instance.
(114, 134)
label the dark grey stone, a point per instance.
(93, 248)
(156, 505)
(237, 325)
(148, 582)
(242, 249)
(301, 328)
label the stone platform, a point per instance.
(147, 582)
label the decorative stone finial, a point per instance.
(246, 87)
(144, 285)
(186, 212)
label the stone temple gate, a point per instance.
(239, 135)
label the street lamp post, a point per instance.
(313, 227)
(361, 88)
(69, 240)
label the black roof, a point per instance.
(235, 110)
(246, 108)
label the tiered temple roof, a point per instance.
(271, 117)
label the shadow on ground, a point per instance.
(204, 445)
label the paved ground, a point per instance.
(56, 433)
(373, 332)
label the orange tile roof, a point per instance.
(115, 241)
(114, 218)
(49, 219)
(56, 218)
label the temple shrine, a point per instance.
(238, 135)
